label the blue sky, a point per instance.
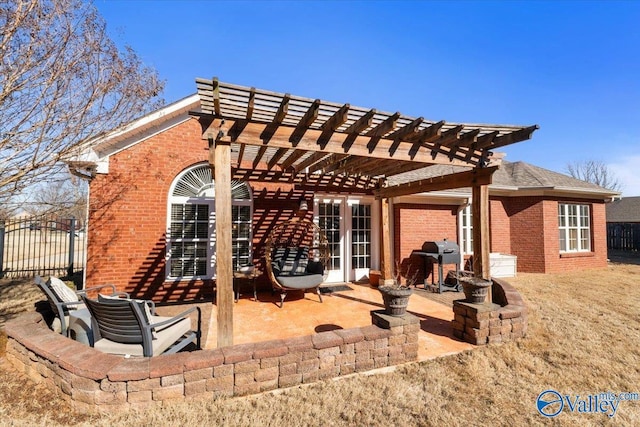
(573, 68)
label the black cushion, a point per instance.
(315, 267)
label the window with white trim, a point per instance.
(574, 223)
(191, 240)
(466, 231)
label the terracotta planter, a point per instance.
(395, 299)
(374, 278)
(475, 289)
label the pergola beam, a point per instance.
(408, 131)
(283, 109)
(312, 159)
(252, 133)
(251, 103)
(261, 151)
(292, 158)
(327, 163)
(396, 169)
(309, 117)
(476, 176)
(428, 134)
(517, 136)
(337, 120)
(276, 157)
(384, 127)
(485, 140)
(355, 165)
(362, 123)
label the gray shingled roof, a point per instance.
(517, 175)
(626, 209)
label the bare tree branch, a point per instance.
(62, 80)
(595, 172)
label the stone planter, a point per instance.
(475, 289)
(396, 299)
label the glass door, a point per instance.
(361, 240)
(330, 215)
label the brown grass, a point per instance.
(584, 330)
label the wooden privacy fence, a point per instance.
(41, 245)
(623, 236)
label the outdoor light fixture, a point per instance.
(303, 204)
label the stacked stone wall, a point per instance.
(92, 381)
(501, 320)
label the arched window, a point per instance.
(191, 228)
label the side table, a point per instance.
(243, 274)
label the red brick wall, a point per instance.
(523, 226)
(499, 226)
(526, 229)
(597, 258)
(415, 224)
(128, 215)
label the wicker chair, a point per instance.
(297, 256)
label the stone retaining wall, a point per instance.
(502, 320)
(92, 381)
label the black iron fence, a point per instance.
(41, 245)
(623, 236)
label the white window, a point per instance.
(575, 227)
(466, 231)
(191, 240)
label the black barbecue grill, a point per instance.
(441, 252)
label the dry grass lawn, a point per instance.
(584, 335)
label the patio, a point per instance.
(301, 316)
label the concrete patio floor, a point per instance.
(263, 320)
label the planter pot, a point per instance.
(395, 299)
(475, 289)
(374, 278)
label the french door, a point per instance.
(350, 225)
(330, 221)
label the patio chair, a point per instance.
(62, 299)
(131, 328)
(296, 254)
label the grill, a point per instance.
(440, 252)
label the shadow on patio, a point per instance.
(305, 315)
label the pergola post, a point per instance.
(224, 262)
(387, 262)
(481, 238)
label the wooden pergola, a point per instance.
(258, 135)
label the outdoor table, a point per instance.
(243, 274)
(80, 326)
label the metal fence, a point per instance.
(42, 245)
(623, 236)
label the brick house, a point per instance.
(152, 221)
(535, 218)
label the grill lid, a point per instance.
(441, 247)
